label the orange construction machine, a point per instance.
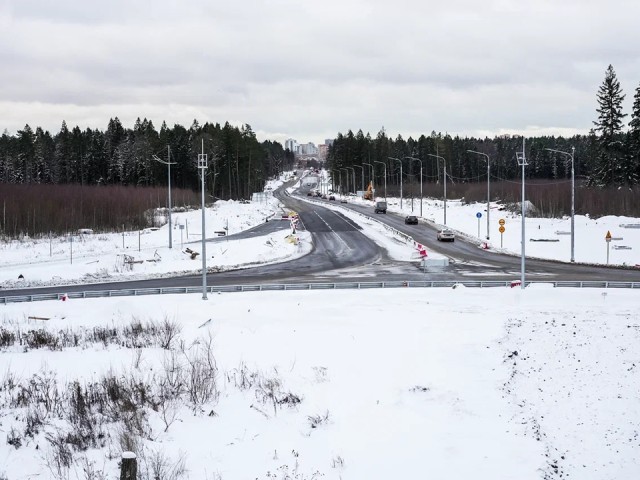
(368, 193)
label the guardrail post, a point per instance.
(128, 466)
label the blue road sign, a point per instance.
(478, 214)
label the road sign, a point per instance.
(479, 215)
(501, 221)
(501, 229)
(608, 236)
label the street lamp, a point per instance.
(385, 178)
(370, 173)
(522, 161)
(341, 187)
(418, 160)
(202, 165)
(445, 184)
(398, 160)
(488, 183)
(168, 164)
(362, 168)
(573, 198)
(354, 178)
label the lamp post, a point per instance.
(341, 187)
(202, 165)
(362, 173)
(445, 183)
(168, 164)
(420, 161)
(385, 178)
(488, 183)
(354, 177)
(370, 173)
(522, 161)
(573, 198)
(398, 160)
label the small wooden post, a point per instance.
(129, 466)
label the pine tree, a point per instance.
(612, 168)
(634, 134)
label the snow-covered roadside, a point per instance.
(547, 238)
(134, 255)
(466, 383)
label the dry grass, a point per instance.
(40, 209)
(551, 198)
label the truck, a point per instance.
(381, 207)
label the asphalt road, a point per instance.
(468, 259)
(341, 252)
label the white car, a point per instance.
(446, 235)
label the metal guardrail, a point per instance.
(311, 286)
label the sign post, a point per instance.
(479, 216)
(608, 240)
(501, 229)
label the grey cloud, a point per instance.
(308, 68)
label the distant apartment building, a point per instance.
(322, 151)
(307, 149)
(291, 145)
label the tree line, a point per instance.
(606, 156)
(238, 164)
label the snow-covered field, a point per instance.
(404, 383)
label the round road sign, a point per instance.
(501, 229)
(501, 221)
(478, 214)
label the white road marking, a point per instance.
(336, 234)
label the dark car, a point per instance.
(332, 197)
(411, 220)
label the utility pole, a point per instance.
(488, 188)
(522, 161)
(202, 165)
(398, 160)
(168, 164)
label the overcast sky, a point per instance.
(308, 70)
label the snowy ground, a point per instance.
(490, 384)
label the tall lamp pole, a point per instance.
(488, 183)
(370, 174)
(445, 183)
(362, 174)
(522, 161)
(398, 160)
(354, 177)
(573, 198)
(385, 178)
(202, 165)
(420, 161)
(168, 164)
